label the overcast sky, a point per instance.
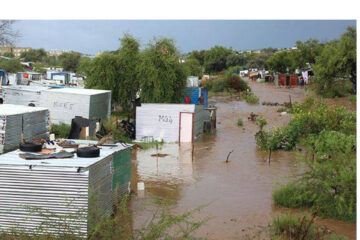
(92, 36)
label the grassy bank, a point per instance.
(329, 181)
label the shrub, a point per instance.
(61, 130)
(290, 227)
(216, 85)
(251, 98)
(240, 122)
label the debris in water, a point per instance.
(140, 186)
(159, 155)
(227, 158)
(252, 116)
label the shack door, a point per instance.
(186, 127)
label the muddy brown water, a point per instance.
(238, 194)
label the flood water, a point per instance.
(238, 194)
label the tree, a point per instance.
(235, 59)
(129, 59)
(11, 65)
(7, 34)
(257, 60)
(117, 71)
(198, 55)
(34, 55)
(192, 67)
(70, 61)
(39, 67)
(163, 77)
(52, 61)
(104, 74)
(84, 66)
(306, 52)
(9, 55)
(281, 62)
(215, 59)
(337, 62)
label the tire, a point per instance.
(88, 152)
(30, 147)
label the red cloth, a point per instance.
(187, 100)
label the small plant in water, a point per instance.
(240, 122)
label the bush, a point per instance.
(216, 85)
(290, 227)
(61, 130)
(240, 122)
(311, 117)
(251, 98)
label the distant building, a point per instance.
(56, 53)
(14, 50)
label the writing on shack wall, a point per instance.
(65, 105)
(165, 119)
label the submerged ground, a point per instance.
(238, 193)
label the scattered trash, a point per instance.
(140, 186)
(34, 156)
(252, 116)
(159, 155)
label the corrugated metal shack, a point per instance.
(63, 103)
(62, 194)
(194, 93)
(32, 122)
(170, 122)
(66, 103)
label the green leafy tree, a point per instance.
(198, 55)
(39, 67)
(103, 73)
(306, 53)
(336, 64)
(70, 61)
(257, 60)
(12, 66)
(34, 55)
(52, 61)
(215, 58)
(84, 66)
(193, 67)
(163, 77)
(129, 59)
(116, 71)
(281, 62)
(9, 55)
(235, 59)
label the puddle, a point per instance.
(239, 193)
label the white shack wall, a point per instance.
(160, 121)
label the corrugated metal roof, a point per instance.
(79, 91)
(12, 158)
(11, 109)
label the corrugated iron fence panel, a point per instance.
(54, 200)
(122, 173)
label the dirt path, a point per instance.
(238, 192)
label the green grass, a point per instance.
(352, 98)
(291, 195)
(61, 130)
(290, 227)
(240, 122)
